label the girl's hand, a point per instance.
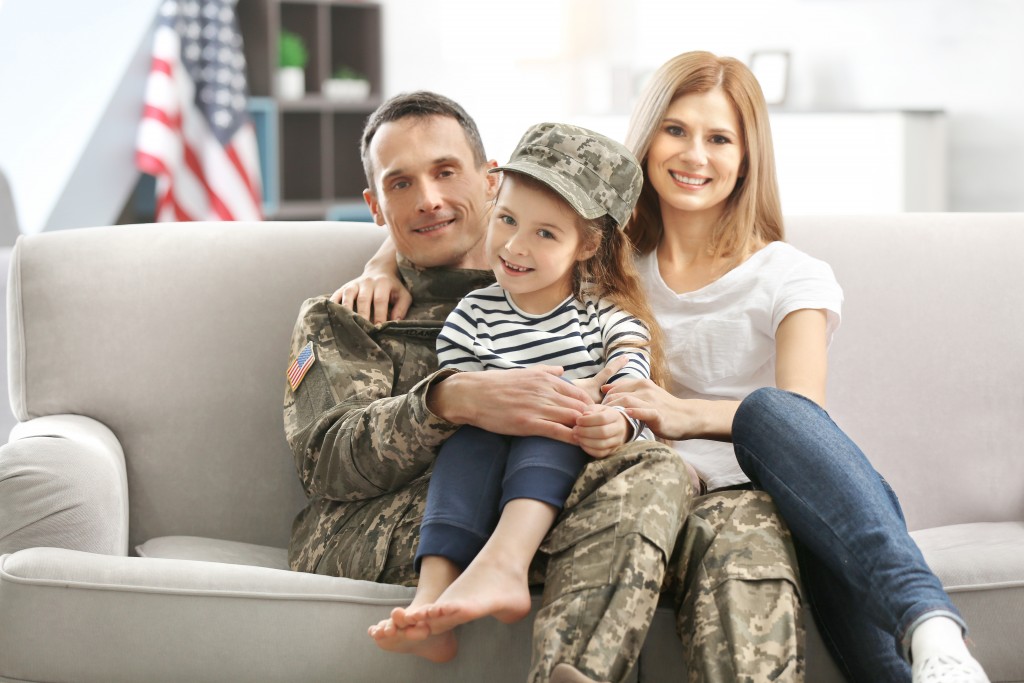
(600, 430)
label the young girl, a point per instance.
(566, 295)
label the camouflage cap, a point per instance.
(592, 172)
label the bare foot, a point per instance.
(486, 588)
(401, 634)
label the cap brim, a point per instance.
(581, 202)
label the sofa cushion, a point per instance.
(214, 550)
(176, 620)
(981, 565)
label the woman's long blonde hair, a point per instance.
(753, 213)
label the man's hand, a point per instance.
(378, 296)
(600, 430)
(528, 402)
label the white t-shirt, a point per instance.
(720, 340)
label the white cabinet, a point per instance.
(860, 162)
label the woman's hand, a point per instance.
(600, 430)
(670, 417)
(646, 401)
(592, 385)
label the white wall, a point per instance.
(71, 78)
(517, 63)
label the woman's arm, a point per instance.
(671, 417)
(801, 354)
(378, 288)
(801, 366)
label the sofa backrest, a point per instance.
(927, 369)
(176, 337)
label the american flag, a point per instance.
(301, 365)
(195, 135)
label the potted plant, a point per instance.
(292, 59)
(346, 84)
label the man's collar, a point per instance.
(429, 285)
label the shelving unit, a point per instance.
(318, 143)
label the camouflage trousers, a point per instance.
(606, 561)
(626, 538)
(732, 578)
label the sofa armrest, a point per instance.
(63, 484)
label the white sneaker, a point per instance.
(948, 669)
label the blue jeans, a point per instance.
(866, 581)
(476, 473)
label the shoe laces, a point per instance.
(949, 669)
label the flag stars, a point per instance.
(211, 53)
(222, 118)
(209, 66)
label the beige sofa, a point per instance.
(146, 495)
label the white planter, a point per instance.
(347, 90)
(291, 83)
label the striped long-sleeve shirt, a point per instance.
(486, 331)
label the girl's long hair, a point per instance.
(611, 274)
(753, 213)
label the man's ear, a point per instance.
(371, 201)
(492, 179)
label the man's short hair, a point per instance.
(421, 104)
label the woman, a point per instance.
(752, 318)
(748, 320)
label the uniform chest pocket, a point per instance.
(712, 350)
(412, 347)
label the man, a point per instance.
(366, 409)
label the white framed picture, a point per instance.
(771, 68)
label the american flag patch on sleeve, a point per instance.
(301, 365)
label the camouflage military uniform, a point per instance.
(732, 579)
(364, 442)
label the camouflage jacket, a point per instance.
(357, 420)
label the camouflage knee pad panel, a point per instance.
(734, 581)
(734, 535)
(607, 557)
